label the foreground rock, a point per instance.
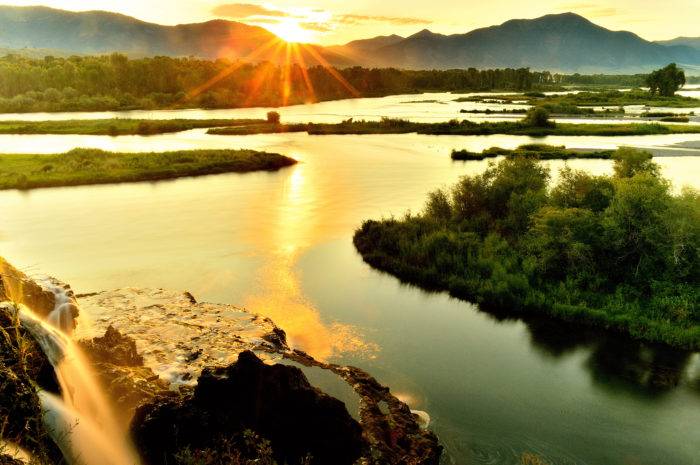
(179, 337)
(277, 402)
(120, 367)
(213, 377)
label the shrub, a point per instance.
(273, 117)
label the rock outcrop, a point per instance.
(181, 339)
(120, 368)
(277, 402)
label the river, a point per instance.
(280, 244)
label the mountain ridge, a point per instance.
(564, 42)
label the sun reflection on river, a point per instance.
(279, 294)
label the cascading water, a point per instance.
(81, 422)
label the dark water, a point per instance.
(280, 244)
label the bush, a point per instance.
(273, 117)
(538, 117)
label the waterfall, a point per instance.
(81, 422)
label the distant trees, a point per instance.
(116, 82)
(666, 81)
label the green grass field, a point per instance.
(91, 166)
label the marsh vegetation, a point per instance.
(91, 166)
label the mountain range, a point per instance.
(562, 42)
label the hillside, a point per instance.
(553, 42)
(564, 42)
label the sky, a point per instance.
(336, 22)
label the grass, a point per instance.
(465, 128)
(117, 126)
(539, 151)
(591, 99)
(91, 166)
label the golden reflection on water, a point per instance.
(279, 294)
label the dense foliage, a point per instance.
(116, 82)
(617, 251)
(666, 81)
(540, 151)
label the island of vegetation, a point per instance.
(536, 123)
(619, 252)
(91, 166)
(118, 126)
(539, 151)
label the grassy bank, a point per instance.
(613, 98)
(618, 252)
(91, 166)
(538, 151)
(464, 128)
(117, 126)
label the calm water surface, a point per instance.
(280, 244)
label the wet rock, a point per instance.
(113, 348)
(392, 430)
(120, 369)
(19, 288)
(277, 402)
(170, 328)
(7, 460)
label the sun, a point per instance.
(291, 31)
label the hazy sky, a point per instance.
(336, 21)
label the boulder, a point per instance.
(276, 402)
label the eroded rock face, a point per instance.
(277, 402)
(121, 370)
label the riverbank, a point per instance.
(118, 126)
(613, 252)
(91, 166)
(463, 128)
(569, 102)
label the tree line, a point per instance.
(114, 82)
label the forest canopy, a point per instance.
(115, 82)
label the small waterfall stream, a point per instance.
(81, 421)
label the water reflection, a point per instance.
(615, 361)
(636, 367)
(292, 227)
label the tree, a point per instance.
(629, 162)
(273, 117)
(538, 117)
(666, 81)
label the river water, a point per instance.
(280, 244)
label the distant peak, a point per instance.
(425, 33)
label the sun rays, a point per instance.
(293, 59)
